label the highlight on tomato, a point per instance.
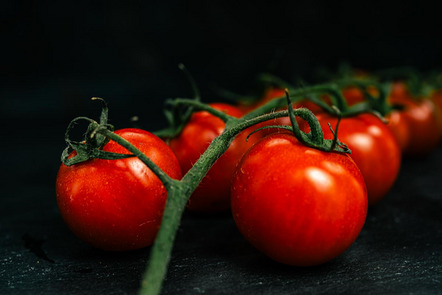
(117, 205)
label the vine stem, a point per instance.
(164, 178)
(179, 191)
(202, 107)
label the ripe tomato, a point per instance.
(354, 95)
(213, 193)
(398, 125)
(421, 119)
(298, 205)
(374, 149)
(117, 205)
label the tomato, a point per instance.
(213, 193)
(398, 125)
(298, 205)
(117, 205)
(354, 95)
(421, 119)
(373, 148)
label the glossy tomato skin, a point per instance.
(213, 193)
(298, 205)
(373, 148)
(117, 205)
(421, 118)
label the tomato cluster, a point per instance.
(293, 190)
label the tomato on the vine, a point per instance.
(117, 205)
(213, 193)
(304, 207)
(374, 149)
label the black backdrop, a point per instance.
(128, 51)
(55, 55)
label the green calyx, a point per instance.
(315, 137)
(93, 143)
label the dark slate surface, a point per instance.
(398, 252)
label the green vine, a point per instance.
(377, 105)
(179, 191)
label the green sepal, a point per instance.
(85, 153)
(91, 147)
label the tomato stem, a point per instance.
(162, 248)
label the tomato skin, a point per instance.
(373, 148)
(303, 207)
(213, 193)
(398, 125)
(422, 121)
(117, 205)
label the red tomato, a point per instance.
(213, 193)
(374, 149)
(398, 125)
(354, 95)
(298, 205)
(421, 119)
(117, 205)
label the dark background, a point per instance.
(55, 56)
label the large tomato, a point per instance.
(213, 193)
(117, 205)
(374, 149)
(298, 205)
